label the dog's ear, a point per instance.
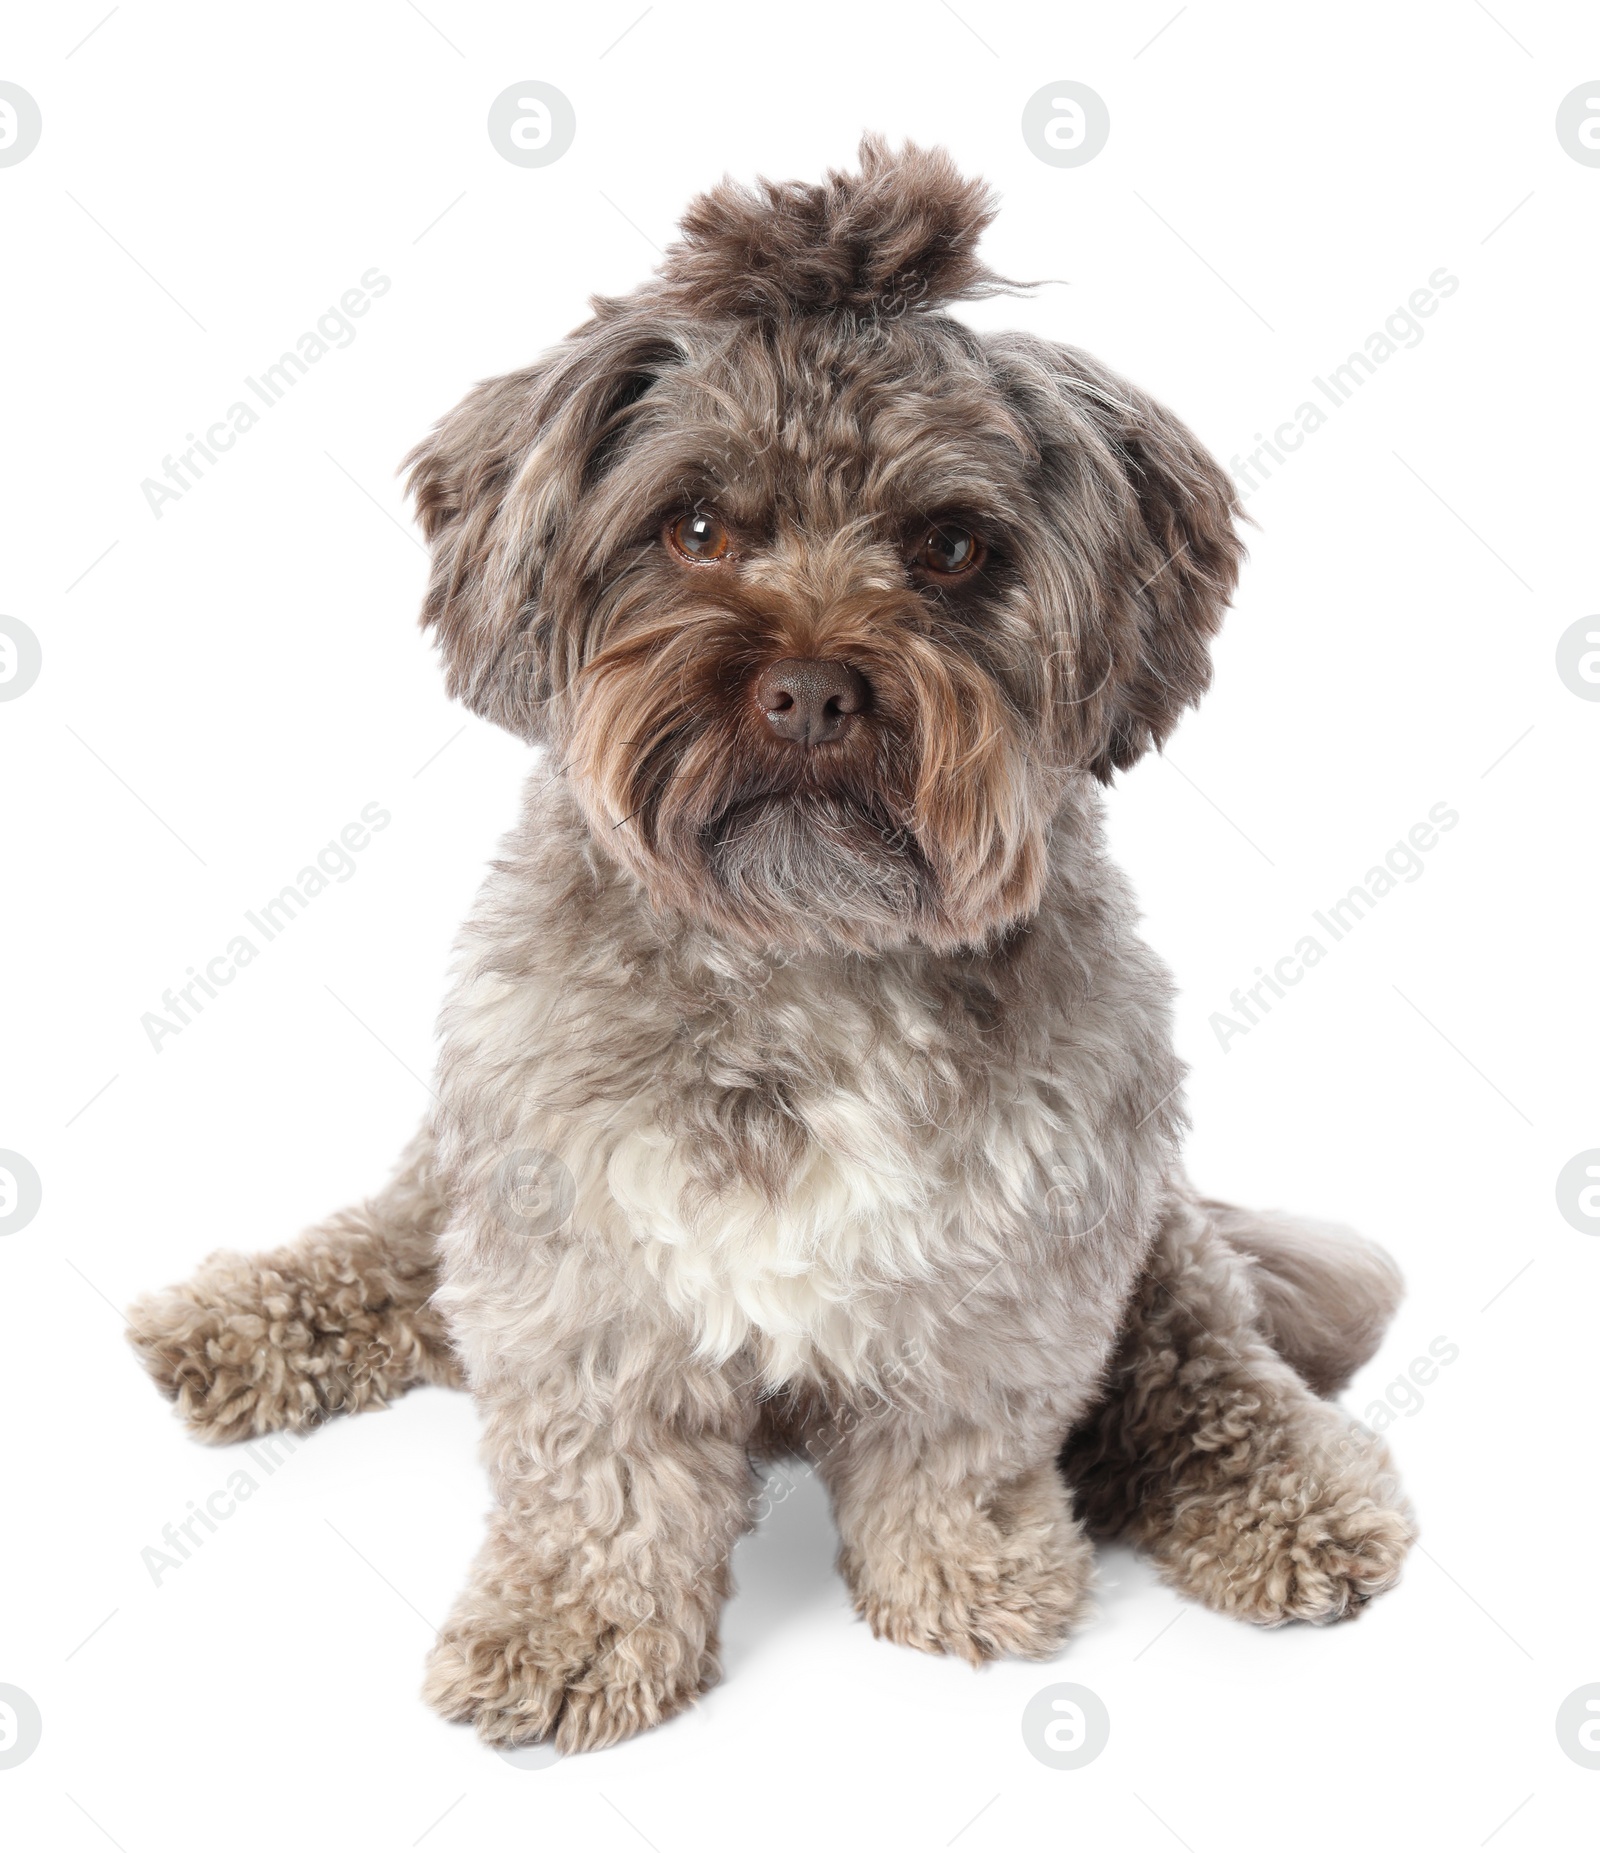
(1144, 524)
(496, 485)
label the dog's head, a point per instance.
(818, 595)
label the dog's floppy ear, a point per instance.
(496, 485)
(1146, 519)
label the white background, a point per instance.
(227, 686)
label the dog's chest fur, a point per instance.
(791, 1152)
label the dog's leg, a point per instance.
(337, 1321)
(955, 1538)
(1212, 1454)
(592, 1610)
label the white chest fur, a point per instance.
(884, 1183)
(778, 1151)
(881, 1196)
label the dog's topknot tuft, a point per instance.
(898, 236)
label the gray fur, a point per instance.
(846, 1078)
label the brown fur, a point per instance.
(333, 1324)
(821, 1098)
(899, 235)
(1211, 1453)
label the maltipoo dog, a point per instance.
(804, 1086)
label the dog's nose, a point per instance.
(808, 700)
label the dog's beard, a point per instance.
(851, 867)
(806, 865)
(927, 822)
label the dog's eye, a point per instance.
(699, 537)
(948, 552)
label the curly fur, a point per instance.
(337, 1322)
(1208, 1452)
(823, 1098)
(899, 235)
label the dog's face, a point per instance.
(817, 595)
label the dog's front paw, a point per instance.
(522, 1679)
(1297, 1548)
(1012, 1579)
(980, 1608)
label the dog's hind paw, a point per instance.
(219, 1358)
(255, 1343)
(1290, 1547)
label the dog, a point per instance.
(804, 1087)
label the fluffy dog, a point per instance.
(804, 1085)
